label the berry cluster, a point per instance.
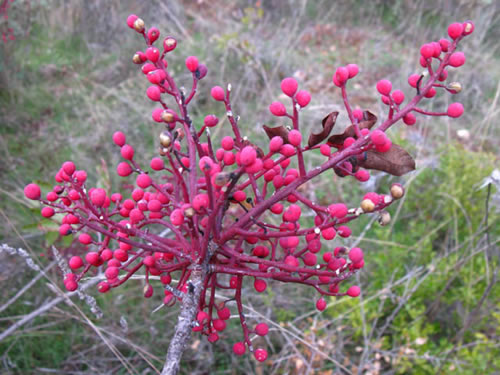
(7, 32)
(233, 212)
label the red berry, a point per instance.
(455, 110)
(289, 86)
(445, 44)
(409, 119)
(378, 137)
(341, 75)
(413, 79)
(103, 287)
(260, 354)
(127, 152)
(98, 197)
(239, 348)
(248, 155)
(362, 175)
(192, 63)
(353, 70)
(277, 109)
(457, 59)
(431, 93)
(275, 144)
(219, 325)
(353, 291)
(357, 114)
(385, 147)
(130, 20)
(427, 51)
(68, 167)
(70, 285)
(123, 169)
(47, 212)
(81, 176)
(344, 231)
(169, 44)
(227, 143)
(143, 180)
(211, 121)
(92, 258)
(75, 262)
(177, 217)
(455, 30)
(157, 164)
(356, 255)
(294, 137)
(261, 329)
(328, 233)
(153, 34)
(111, 272)
(303, 98)
(260, 285)
(213, 337)
(119, 138)
(32, 191)
(468, 27)
(337, 210)
(154, 93)
(398, 96)
(348, 142)
(437, 49)
(85, 239)
(153, 54)
(217, 93)
(321, 304)
(224, 313)
(384, 87)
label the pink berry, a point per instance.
(303, 98)
(289, 86)
(154, 93)
(260, 285)
(143, 180)
(32, 191)
(239, 348)
(248, 155)
(261, 329)
(127, 152)
(70, 285)
(92, 258)
(65, 230)
(409, 119)
(356, 255)
(217, 93)
(413, 79)
(81, 176)
(124, 169)
(75, 262)
(294, 137)
(353, 70)
(219, 325)
(357, 114)
(47, 212)
(213, 337)
(353, 291)
(344, 231)
(455, 30)
(169, 44)
(157, 164)
(384, 87)
(119, 138)
(325, 150)
(445, 44)
(348, 141)
(437, 49)
(398, 96)
(177, 217)
(260, 354)
(378, 137)
(427, 51)
(224, 313)
(192, 63)
(130, 20)
(468, 27)
(321, 304)
(98, 197)
(337, 210)
(431, 93)
(455, 110)
(457, 59)
(68, 167)
(342, 75)
(153, 54)
(153, 34)
(277, 109)
(275, 144)
(362, 175)
(384, 147)
(328, 233)
(211, 121)
(103, 287)
(227, 143)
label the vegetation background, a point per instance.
(430, 298)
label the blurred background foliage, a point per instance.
(430, 302)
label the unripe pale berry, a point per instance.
(289, 86)
(455, 110)
(303, 98)
(367, 205)
(455, 30)
(468, 27)
(217, 93)
(384, 87)
(32, 191)
(321, 304)
(353, 291)
(277, 109)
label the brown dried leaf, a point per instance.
(328, 124)
(337, 140)
(396, 161)
(278, 131)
